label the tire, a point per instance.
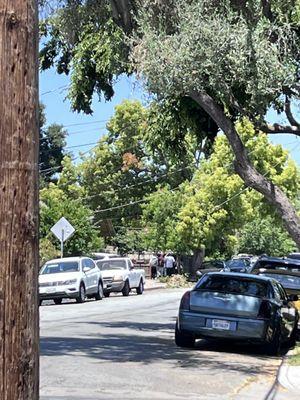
(57, 301)
(126, 289)
(81, 295)
(106, 294)
(99, 295)
(183, 339)
(274, 347)
(140, 288)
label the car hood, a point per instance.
(62, 276)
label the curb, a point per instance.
(154, 288)
(289, 376)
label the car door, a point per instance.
(93, 274)
(132, 274)
(87, 276)
(290, 311)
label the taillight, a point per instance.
(265, 310)
(185, 301)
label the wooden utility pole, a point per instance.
(18, 200)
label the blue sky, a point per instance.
(53, 94)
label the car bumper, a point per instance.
(59, 292)
(200, 325)
(114, 286)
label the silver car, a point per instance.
(237, 306)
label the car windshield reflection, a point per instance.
(60, 267)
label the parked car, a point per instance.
(295, 256)
(70, 278)
(237, 265)
(284, 270)
(119, 275)
(211, 266)
(236, 306)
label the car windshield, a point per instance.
(287, 281)
(232, 264)
(106, 265)
(58, 267)
(226, 284)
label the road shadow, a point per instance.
(147, 349)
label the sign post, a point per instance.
(63, 230)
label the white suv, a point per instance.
(71, 277)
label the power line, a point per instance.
(54, 90)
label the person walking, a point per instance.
(169, 264)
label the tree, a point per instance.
(214, 209)
(234, 59)
(52, 143)
(124, 169)
(19, 338)
(265, 236)
(56, 204)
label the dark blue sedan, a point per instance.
(237, 306)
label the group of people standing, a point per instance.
(162, 265)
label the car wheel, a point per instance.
(81, 294)
(106, 294)
(274, 347)
(99, 294)
(140, 288)
(57, 301)
(126, 289)
(183, 339)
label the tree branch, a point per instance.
(278, 129)
(287, 108)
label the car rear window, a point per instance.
(234, 285)
(110, 264)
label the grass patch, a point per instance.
(295, 358)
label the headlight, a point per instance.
(118, 277)
(69, 282)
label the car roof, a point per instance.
(284, 261)
(113, 259)
(242, 276)
(65, 259)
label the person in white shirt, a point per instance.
(169, 264)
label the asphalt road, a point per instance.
(123, 348)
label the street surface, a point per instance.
(123, 348)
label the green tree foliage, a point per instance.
(265, 236)
(62, 200)
(123, 169)
(215, 206)
(52, 143)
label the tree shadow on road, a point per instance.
(146, 349)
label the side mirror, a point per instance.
(293, 297)
(85, 269)
(198, 273)
(131, 268)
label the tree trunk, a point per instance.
(247, 172)
(18, 200)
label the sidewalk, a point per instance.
(152, 284)
(289, 375)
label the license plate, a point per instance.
(220, 324)
(51, 290)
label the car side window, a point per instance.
(130, 264)
(276, 291)
(282, 293)
(90, 263)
